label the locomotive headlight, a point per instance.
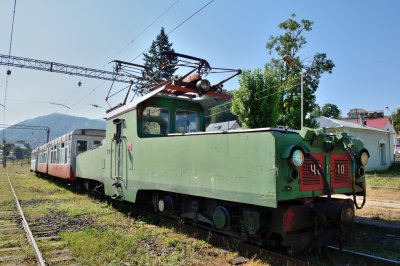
(297, 158)
(364, 158)
(203, 85)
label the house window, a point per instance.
(155, 121)
(382, 152)
(186, 121)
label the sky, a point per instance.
(361, 37)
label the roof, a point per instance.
(207, 101)
(335, 123)
(377, 122)
(372, 122)
(223, 126)
(20, 145)
(358, 110)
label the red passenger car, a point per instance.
(57, 157)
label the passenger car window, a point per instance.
(155, 121)
(96, 143)
(186, 121)
(81, 146)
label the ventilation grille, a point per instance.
(340, 171)
(310, 177)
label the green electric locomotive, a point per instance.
(266, 186)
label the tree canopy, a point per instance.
(159, 70)
(254, 103)
(286, 85)
(330, 110)
(220, 113)
(396, 120)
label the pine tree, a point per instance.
(158, 68)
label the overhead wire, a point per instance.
(8, 67)
(269, 88)
(176, 27)
(46, 102)
(257, 99)
(144, 30)
(89, 93)
(128, 44)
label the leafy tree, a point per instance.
(26, 152)
(220, 113)
(159, 68)
(330, 110)
(316, 112)
(255, 101)
(396, 119)
(290, 43)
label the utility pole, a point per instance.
(394, 131)
(4, 154)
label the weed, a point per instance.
(95, 232)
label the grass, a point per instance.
(383, 186)
(373, 243)
(97, 234)
(386, 178)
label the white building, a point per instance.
(228, 125)
(379, 143)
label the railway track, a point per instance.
(56, 254)
(274, 257)
(24, 244)
(377, 225)
(245, 250)
(359, 258)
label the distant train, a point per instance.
(58, 157)
(265, 186)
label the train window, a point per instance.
(53, 154)
(65, 155)
(58, 154)
(96, 143)
(81, 146)
(186, 121)
(155, 121)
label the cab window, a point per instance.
(186, 121)
(155, 121)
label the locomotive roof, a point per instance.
(264, 129)
(206, 101)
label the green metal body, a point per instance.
(249, 166)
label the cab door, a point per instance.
(119, 163)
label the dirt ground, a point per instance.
(381, 204)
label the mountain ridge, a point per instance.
(59, 124)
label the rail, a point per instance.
(369, 259)
(26, 226)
